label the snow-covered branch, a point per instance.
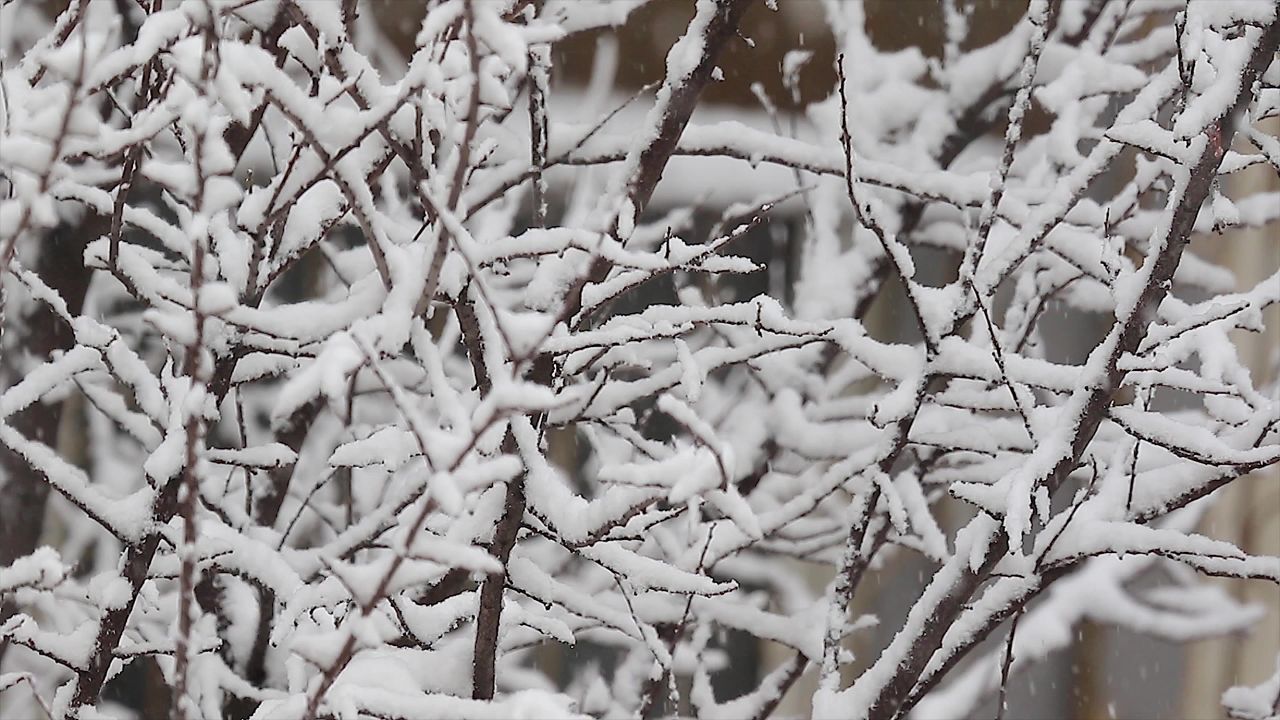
(344, 378)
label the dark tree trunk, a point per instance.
(40, 332)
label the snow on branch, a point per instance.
(350, 371)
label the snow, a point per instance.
(380, 700)
(273, 455)
(1097, 590)
(110, 591)
(1256, 702)
(122, 517)
(677, 449)
(1214, 96)
(45, 379)
(41, 569)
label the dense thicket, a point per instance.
(334, 383)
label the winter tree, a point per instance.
(346, 382)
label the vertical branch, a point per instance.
(462, 157)
(1039, 14)
(848, 576)
(652, 688)
(492, 590)
(1002, 704)
(189, 492)
(195, 367)
(539, 78)
(998, 354)
(896, 254)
